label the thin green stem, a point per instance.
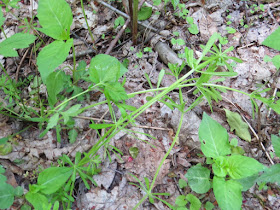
(168, 152)
(225, 87)
(74, 65)
(91, 36)
(3, 32)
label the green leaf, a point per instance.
(100, 126)
(53, 121)
(18, 191)
(53, 178)
(105, 68)
(220, 166)
(181, 200)
(51, 56)
(2, 170)
(71, 112)
(195, 202)
(271, 175)
(213, 138)
(73, 135)
(38, 200)
(4, 140)
(276, 61)
(236, 123)
(209, 205)
(6, 148)
(227, 193)
(55, 84)
(248, 182)
(6, 195)
(2, 19)
(241, 166)
(16, 41)
(198, 178)
(55, 17)
(193, 29)
(134, 151)
(119, 21)
(272, 40)
(144, 13)
(182, 183)
(115, 91)
(276, 144)
(234, 142)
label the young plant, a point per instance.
(7, 191)
(229, 170)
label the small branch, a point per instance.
(114, 42)
(20, 63)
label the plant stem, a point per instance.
(134, 22)
(169, 150)
(91, 36)
(74, 65)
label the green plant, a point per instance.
(229, 169)
(56, 184)
(193, 27)
(119, 22)
(7, 191)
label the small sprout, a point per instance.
(139, 54)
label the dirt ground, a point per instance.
(31, 154)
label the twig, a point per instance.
(253, 131)
(20, 63)
(113, 43)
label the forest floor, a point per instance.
(31, 154)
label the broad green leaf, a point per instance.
(220, 166)
(51, 56)
(18, 191)
(195, 202)
(227, 193)
(209, 205)
(213, 138)
(71, 112)
(198, 179)
(236, 123)
(134, 151)
(38, 200)
(17, 41)
(105, 68)
(276, 144)
(276, 61)
(181, 200)
(247, 182)
(272, 40)
(55, 17)
(2, 170)
(73, 135)
(4, 140)
(115, 91)
(2, 19)
(53, 121)
(241, 166)
(144, 13)
(53, 178)
(234, 142)
(55, 84)
(271, 175)
(6, 195)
